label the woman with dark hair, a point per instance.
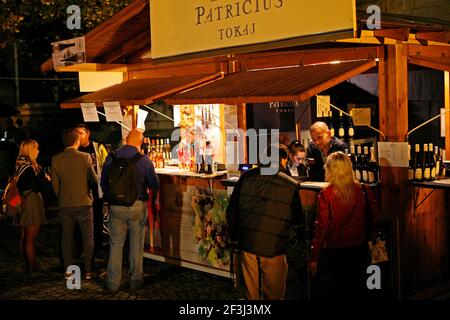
(33, 215)
(296, 161)
(340, 227)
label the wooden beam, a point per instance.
(332, 82)
(430, 63)
(393, 119)
(242, 124)
(305, 57)
(93, 67)
(127, 48)
(447, 115)
(429, 51)
(368, 37)
(401, 34)
(443, 36)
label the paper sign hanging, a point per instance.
(89, 111)
(113, 111)
(142, 115)
(393, 154)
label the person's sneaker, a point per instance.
(88, 275)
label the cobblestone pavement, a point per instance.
(161, 280)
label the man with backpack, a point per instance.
(125, 178)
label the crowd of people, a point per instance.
(263, 208)
(261, 212)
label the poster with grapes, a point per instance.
(193, 222)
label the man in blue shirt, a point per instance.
(134, 217)
(323, 144)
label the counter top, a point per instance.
(175, 171)
(306, 185)
(436, 184)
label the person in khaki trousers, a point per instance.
(261, 211)
(73, 178)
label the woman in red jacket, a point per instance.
(340, 227)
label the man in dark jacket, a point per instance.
(323, 144)
(261, 211)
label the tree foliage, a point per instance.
(37, 20)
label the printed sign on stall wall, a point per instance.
(194, 26)
(113, 111)
(89, 111)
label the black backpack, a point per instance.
(122, 188)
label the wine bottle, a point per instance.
(365, 171)
(410, 164)
(438, 161)
(76, 58)
(426, 164)
(351, 127)
(57, 47)
(372, 167)
(418, 170)
(432, 161)
(330, 123)
(358, 168)
(353, 160)
(341, 131)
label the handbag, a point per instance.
(377, 246)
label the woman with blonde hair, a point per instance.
(30, 186)
(340, 227)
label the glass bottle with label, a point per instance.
(418, 167)
(432, 161)
(365, 167)
(372, 167)
(351, 128)
(330, 123)
(410, 164)
(426, 164)
(341, 131)
(358, 168)
(438, 161)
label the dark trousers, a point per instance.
(348, 266)
(97, 207)
(84, 217)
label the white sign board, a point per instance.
(113, 111)
(393, 154)
(142, 115)
(68, 52)
(89, 111)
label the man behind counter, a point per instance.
(321, 146)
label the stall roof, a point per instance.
(294, 83)
(118, 38)
(142, 91)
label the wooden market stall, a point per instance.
(418, 213)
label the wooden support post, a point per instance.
(242, 124)
(447, 115)
(393, 116)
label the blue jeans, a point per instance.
(122, 218)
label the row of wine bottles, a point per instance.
(158, 150)
(425, 164)
(344, 129)
(365, 167)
